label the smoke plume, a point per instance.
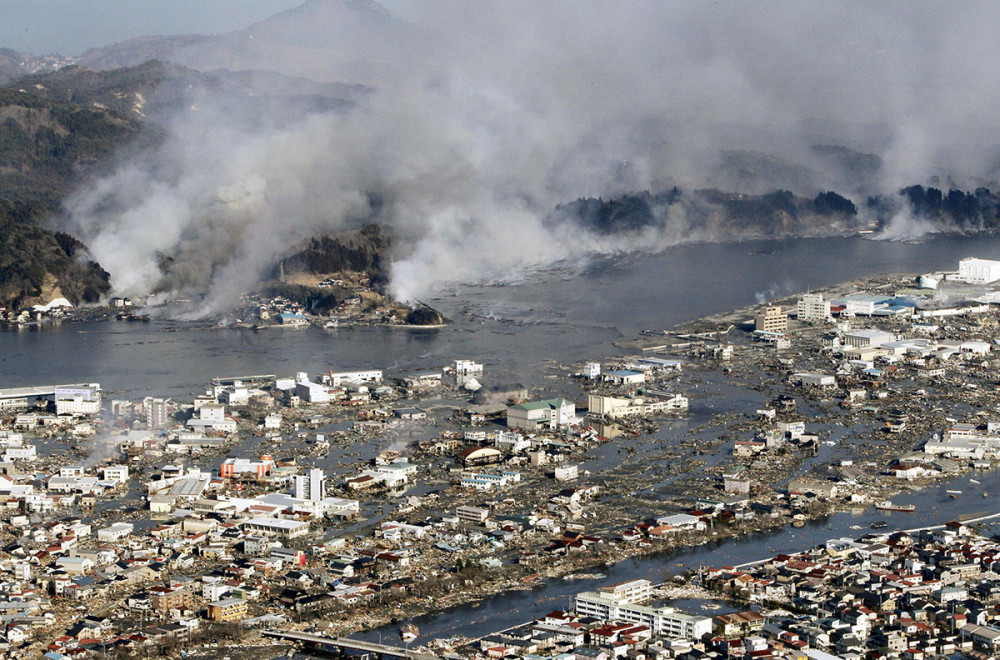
(485, 116)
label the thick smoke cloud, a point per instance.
(489, 114)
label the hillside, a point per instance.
(46, 147)
(362, 250)
(155, 91)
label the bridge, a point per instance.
(341, 644)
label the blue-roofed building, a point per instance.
(626, 377)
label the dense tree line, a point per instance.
(780, 209)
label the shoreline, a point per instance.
(667, 548)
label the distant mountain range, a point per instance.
(321, 39)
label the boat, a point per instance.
(879, 524)
(409, 632)
(953, 492)
(887, 505)
(973, 481)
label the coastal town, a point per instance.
(300, 508)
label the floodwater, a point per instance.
(520, 332)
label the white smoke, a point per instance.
(500, 111)
(101, 448)
(903, 226)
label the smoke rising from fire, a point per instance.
(487, 115)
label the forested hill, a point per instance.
(45, 147)
(717, 215)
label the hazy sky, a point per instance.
(69, 27)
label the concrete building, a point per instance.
(114, 532)
(212, 417)
(812, 307)
(164, 599)
(618, 407)
(771, 319)
(472, 514)
(280, 527)
(978, 271)
(867, 338)
(567, 472)
(467, 367)
(310, 486)
(311, 392)
(229, 609)
(536, 414)
(625, 377)
(157, 413)
(79, 400)
(816, 380)
(232, 467)
(368, 376)
(621, 603)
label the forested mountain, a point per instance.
(45, 148)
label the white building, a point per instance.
(237, 395)
(212, 417)
(367, 376)
(311, 392)
(816, 380)
(310, 486)
(467, 367)
(157, 412)
(567, 472)
(512, 442)
(23, 453)
(118, 530)
(618, 407)
(812, 307)
(472, 514)
(978, 271)
(867, 338)
(79, 400)
(592, 371)
(536, 414)
(272, 421)
(117, 473)
(621, 603)
(286, 529)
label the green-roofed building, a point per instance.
(532, 415)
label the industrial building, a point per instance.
(867, 338)
(978, 271)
